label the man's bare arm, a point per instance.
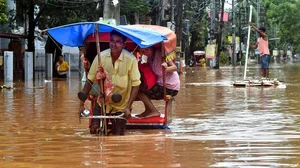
(87, 86)
(86, 89)
(264, 35)
(253, 46)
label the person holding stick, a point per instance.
(263, 47)
(122, 68)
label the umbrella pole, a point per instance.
(100, 83)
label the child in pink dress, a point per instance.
(157, 91)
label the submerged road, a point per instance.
(214, 125)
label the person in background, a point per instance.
(62, 67)
(262, 45)
(203, 61)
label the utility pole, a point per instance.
(212, 26)
(161, 12)
(111, 11)
(240, 34)
(172, 11)
(162, 17)
(178, 29)
(258, 12)
(221, 24)
(179, 6)
(107, 9)
(258, 16)
(212, 20)
(233, 34)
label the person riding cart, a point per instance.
(115, 75)
(122, 68)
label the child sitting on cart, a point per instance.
(156, 91)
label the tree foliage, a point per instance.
(3, 17)
(195, 12)
(285, 14)
(129, 7)
(53, 13)
(60, 12)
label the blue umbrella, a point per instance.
(73, 35)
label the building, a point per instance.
(13, 37)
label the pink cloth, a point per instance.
(107, 84)
(263, 46)
(172, 78)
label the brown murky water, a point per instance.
(214, 125)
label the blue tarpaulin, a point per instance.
(73, 35)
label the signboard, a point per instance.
(289, 52)
(225, 17)
(275, 53)
(210, 51)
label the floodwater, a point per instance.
(214, 125)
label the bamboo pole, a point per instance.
(248, 41)
(100, 83)
(164, 70)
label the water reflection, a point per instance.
(214, 125)
(248, 127)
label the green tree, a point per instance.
(3, 17)
(51, 13)
(134, 8)
(195, 12)
(285, 15)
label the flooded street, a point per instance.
(214, 125)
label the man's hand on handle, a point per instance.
(127, 113)
(81, 108)
(82, 97)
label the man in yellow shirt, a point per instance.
(62, 67)
(122, 68)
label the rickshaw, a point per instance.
(196, 59)
(143, 36)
